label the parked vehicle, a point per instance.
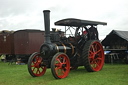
(21, 43)
(62, 53)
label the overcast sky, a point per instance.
(27, 14)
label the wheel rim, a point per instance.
(62, 66)
(96, 56)
(36, 66)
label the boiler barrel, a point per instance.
(66, 48)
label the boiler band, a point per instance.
(67, 48)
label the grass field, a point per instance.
(109, 75)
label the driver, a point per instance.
(93, 33)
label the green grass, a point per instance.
(116, 74)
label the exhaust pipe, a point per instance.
(47, 26)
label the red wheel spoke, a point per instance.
(98, 51)
(33, 62)
(64, 60)
(62, 72)
(37, 70)
(58, 67)
(96, 46)
(57, 64)
(93, 49)
(91, 52)
(65, 68)
(32, 65)
(91, 62)
(97, 64)
(93, 65)
(99, 58)
(33, 69)
(39, 59)
(57, 70)
(90, 57)
(59, 60)
(36, 59)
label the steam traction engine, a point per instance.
(62, 53)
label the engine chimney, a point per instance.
(47, 26)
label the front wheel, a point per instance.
(35, 65)
(93, 56)
(60, 65)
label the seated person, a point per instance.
(93, 33)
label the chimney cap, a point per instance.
(46, 10)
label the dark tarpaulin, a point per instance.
(115, 34)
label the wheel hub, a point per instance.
(96, 56)
(63, 65)
(38, 65)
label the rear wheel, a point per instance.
(60, 65)
(35, 65)
(93, 56)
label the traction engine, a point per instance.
(63, 53)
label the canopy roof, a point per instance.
(115, 34)
(77, 22)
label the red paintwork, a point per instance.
(96, 62)
(36, 68)
(61, 71)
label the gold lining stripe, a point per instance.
(72, 48)
(64, 48)
(57, 47)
